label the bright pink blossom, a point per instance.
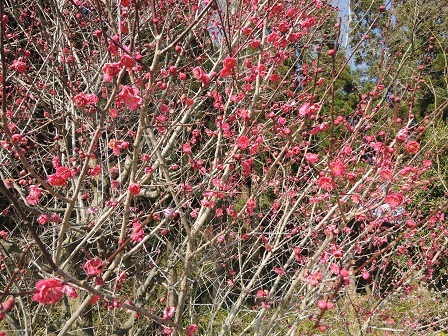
(131, 98)
(325, 183)
(137, 232)
(229, 62)
(94, 267)
(134, 189)
(49, 291)
(169, 312)
(243, 142)
(43, 219)
(337, 167)
(311, 157)
(127, 61)
(192, 329)
(110, 70)
(394, 200)
(19, 66)
(304, 109)
(412, 147)
(34, 196)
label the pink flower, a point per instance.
(192, 329)
(243, 142)
(134, 188)
(169, 312)
(70, 291)
(95, 171)
(43, 219)
(229, 63)
(225, 72)
(394, 200)
(19, 66)
(311, 157)
(91, 98)
(280, 271)
(49, 291)
(80, 100)
(127, 61)
(186, 148)
(59, 179)
(304, 109)
(325, 183)
(412, 147)
(34, 196)
(83, 99)
(94, 267)
(337, 167)
(197, 73)
(130, 96)
(137, 232)
(110, 70)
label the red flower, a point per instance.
(225, 72)
(304, 109)
(197, 73)
(311, 157)
(412, 147)
(192, 329)
(49, 291)
(127, 61)
(229, 63)
(94, 266)
(91, 98)
(59, 179)
(130, 96)
(80, 100)
(169, 312)
(337, 168)
(134, 189)
(34, 196)
(56, 180)
(243, 142)
(19, 66)
(110, 70)
(394, 200)
(95, 171)
(325, 183)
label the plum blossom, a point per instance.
(325, 183)
(311, 157)
(412, 147)
(137, 232)
(49, 291)
(19, 66)
(243, 142)
(130, 97)
(110, 70)
(34, 196)
(127, 61)
(134, 189)
(169, 312)
(229, 62)
(192, 329)
(394, 200)
(59, 179)
(94, 267)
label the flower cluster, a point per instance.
(81, 100)
(59, 179)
